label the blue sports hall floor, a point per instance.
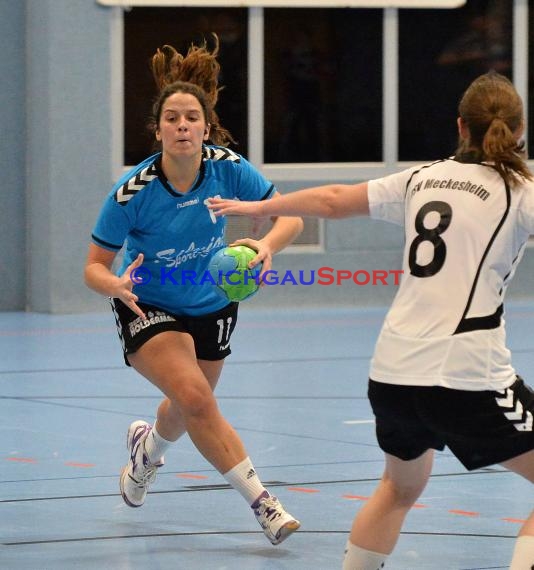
(295, 389)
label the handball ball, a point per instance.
(233, 278)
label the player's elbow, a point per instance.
(88, 276)
(296, 226)
(333, 203)
(299, 226)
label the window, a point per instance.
(441, 52)
(146, 29)
(348, 91)
(323, 85)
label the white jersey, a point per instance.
(465, 233)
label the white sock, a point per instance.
(245, 481)
(155, 445)
(523, 558)
(357, 558)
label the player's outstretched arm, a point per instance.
(329, 201)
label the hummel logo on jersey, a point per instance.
(130, 188)
(188, 203)
(251, 474)
(522, 419)
(220, 154)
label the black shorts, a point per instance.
(480, 428)
(211, 332)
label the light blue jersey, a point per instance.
(176, 232)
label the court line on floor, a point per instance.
(276, 361)
(227, 363)
(268, 484)
(235, 532)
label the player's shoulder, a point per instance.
(526, 187)
(523, 196)
(408, 171)
(424, 167)
(135, 180)
(221, 155)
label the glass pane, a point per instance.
(146, 29)
(323, 85)
(440, 53)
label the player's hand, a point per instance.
(264, 255)
(223, 207)
(126, 284)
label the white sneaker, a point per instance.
(139, 473)
(276, 523)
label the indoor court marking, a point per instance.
(294, 388)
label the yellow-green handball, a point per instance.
(231, 274)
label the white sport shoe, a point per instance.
(139, 473)
(276, 523)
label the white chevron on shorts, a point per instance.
(526, 425)
(118, 323)
(517, 414)
(508, 398)
(522, 421)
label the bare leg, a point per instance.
(168, 360)
(523, 556)
(524, 465)
(377, 525)
(174, 429)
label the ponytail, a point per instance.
(196, 73)
(493, 112)
(508, 155)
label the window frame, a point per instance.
(285, 3)
(333, 171)
(322, 172)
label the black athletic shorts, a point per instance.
(211, 332)
(480, 428)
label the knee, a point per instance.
(402, 494)
(193, 401)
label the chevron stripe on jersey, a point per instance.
(130, 188)
(521, 418)
(219, 153)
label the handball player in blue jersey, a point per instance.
(441, 374)
(174, 327)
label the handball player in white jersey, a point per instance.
(441, 374)
(175, 330)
